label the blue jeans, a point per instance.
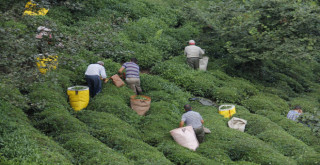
(94, 84)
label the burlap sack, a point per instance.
(237, 123)
(139, 105)
(117, 80)
(186, 137)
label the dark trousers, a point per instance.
(94, 84)
(199, 133)
(193, 62)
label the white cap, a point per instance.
(43, 28)
(100, 62)
(192, 42)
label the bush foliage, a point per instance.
(264, 59)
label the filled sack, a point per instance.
(237, 123)
(117, 81)
(140, 104)
(186, 137)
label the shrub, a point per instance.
(160, 89)
(152, 125)
(266, 102)
(88, 150)
(23, 144)
(55, 121)
(289, 146)
(108, 124)
(257, 124)
(307, 103)
(12, 95)
(121, 136)
(274, 135)
(180, 155)
(295, 129)
(113, 101)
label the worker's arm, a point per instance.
(181, 124)
(121, 70)
(201, 51)
(202, 121)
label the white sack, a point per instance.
(186, 137)
(203, 63)
(237, 123)
(206, 130)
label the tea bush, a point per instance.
(11, 94)
(122, 137)
(102, 122)
(115, 101)
(160, 89)
(295, 129)
(152, 125)
(274, 135)
(290, 146)
(307, 103)
(266, 102)
(178, 154)
(89, 150)
(22, 143)
(205, 84)
(56, 120)
(236, 145)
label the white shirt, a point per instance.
(96, 69)
(193, 51)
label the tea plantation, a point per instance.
(263, 58)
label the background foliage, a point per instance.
(264, 58)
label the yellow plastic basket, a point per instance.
(227, 110)
(78, 97)
(46, 63)
(31, 9)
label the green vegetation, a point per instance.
(264, 59)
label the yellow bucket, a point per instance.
(46, 63)
(31, 9)
(227, 110)
(78, 97)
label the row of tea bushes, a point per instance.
(55, 120)
(160, 89)
(295, 129)
(233, 145)
(268, 131)
(21, 143)
(138, 141)
(211, 84)
(116, 101)
(122, 137)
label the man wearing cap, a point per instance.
(194, 119)
(93, 74)
(194, 53)
(132, 75)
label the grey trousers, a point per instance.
(134, 84)
(193, 62)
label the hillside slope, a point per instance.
(264, 59)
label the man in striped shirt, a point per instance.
(132, 75)
(194, 119)
(295, 113)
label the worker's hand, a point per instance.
(106, 80)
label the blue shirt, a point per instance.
(132, 70)
(192, 118)
(293, 115)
